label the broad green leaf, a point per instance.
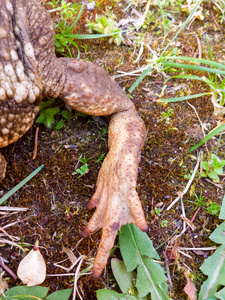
(218, 234)
(137, 252)
(37, 291)
(60, 295)
(213, 175)
(149, 279)
(123, 278)
(133, 244)
(108, 295)
(219, 170)
(222, 211)
(221, 294)
(214, 267)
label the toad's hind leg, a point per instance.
(2, 167)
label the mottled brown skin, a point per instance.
(29, 71)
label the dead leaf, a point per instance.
(3, 284)
(190, 224)
(32, 268)
(70, 255)
(190, 288)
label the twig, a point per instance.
(76, 277)
(195, 214)
(4, 241)
(197, 117)
(8, 269)
(7, 208)
(199, 249)
(35, 143)
(8, 235)
(168, 271)
(199, 47)
(188, 184)
(216, 23)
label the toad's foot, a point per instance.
(117, 204)
(116, 198)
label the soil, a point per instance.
(57, 196)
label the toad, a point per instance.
(29, 71)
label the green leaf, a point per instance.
(108, 295)
(150, 276)
(123, 278)
(215, 162)
(203, 174)
(133, 244)
(222, 211)
(47, 104)
(41, 118)
(205, 165)
(218, 234)
(65, 114)
(213, 175)
(18, 291)
(60, 295)
(221, 294)
(214, 267)
(59, 125)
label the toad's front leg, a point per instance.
(89, 89)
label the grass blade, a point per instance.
(212, 133)
(19, 185)
(177, 99)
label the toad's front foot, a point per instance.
(117, 204)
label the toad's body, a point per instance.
(29, 71)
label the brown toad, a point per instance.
(29, 71)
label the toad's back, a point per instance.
(20, 84)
